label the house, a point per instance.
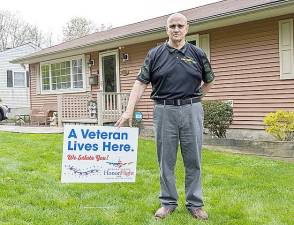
(249, 43)
(14, 80)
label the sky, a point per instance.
(52, 15)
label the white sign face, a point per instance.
(99, 154)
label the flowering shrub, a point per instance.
(281, 125)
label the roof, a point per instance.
(194, 16)
(29, 44)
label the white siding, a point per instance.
(15, 97)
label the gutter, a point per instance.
(239, 12)
(243, 11)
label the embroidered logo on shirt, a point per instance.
(188, 60)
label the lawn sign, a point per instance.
(99, 154)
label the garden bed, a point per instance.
(283, 149)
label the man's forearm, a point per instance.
(135, 95)
(206, 87)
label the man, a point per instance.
(180, 74)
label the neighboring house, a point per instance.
(14, 79)
(249, 43)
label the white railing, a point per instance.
(75, 108)
(112, 105)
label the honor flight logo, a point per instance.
(93, 154)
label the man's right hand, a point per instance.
(135, 95)
(124, 117)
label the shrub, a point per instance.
(281, 125)
(218, 116)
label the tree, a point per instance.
(5, 21)
(78, 27)
(47, 40)
(15, 32)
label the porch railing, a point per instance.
(76, 108)
(112, 105)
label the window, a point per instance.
(67, 74)
(19, 79)
(60, 75)
(45, 77)
(77, 73)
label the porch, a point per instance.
(107, 107)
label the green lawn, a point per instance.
(238, 189)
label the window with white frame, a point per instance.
(19, 79)
(45, 77)
(77, 73)
(62, 75)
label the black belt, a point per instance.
(177, 102)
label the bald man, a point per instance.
(181, 75)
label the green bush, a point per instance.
(218, 116)
(281, 125)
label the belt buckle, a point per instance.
(178, 102)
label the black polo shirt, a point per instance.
(175, 74)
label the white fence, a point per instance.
(83, 109)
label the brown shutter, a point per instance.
(9, 78)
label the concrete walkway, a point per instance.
(31, 130)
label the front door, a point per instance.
(109, 71)
(109, 82)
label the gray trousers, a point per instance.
(184, 125)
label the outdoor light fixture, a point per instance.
(90, 61)
(125, 57)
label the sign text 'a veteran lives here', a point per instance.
(99, 154)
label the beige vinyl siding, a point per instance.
(128, 73)
(137, 55)
(245, 59)
(246, 62)
(39, 100)
(94, 70)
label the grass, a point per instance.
(238, 189)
